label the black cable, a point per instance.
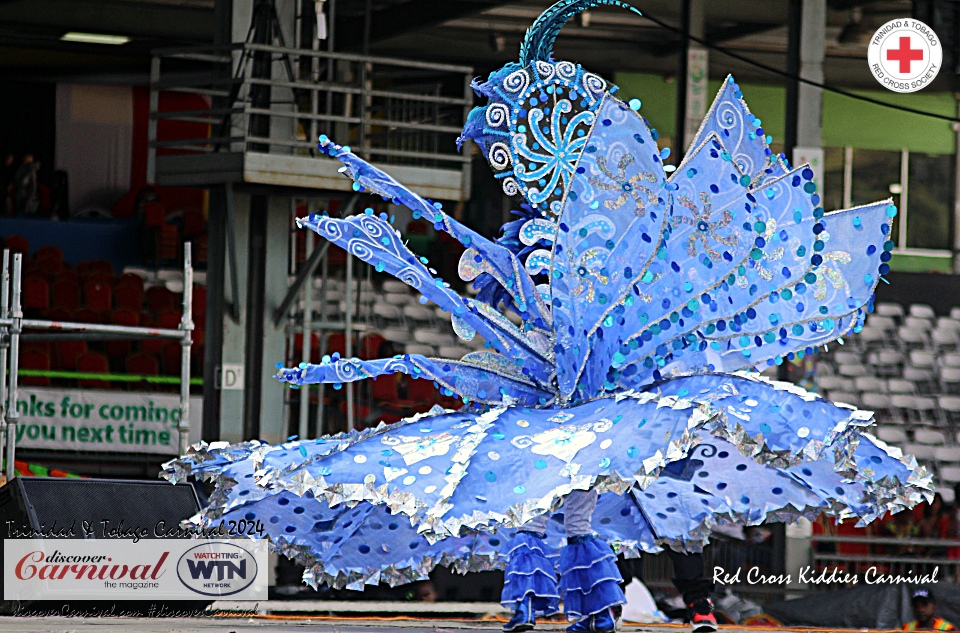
(782, 73)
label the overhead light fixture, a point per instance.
(94, 38)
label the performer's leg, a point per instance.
(529, 580)
(589, 578)
(689, 579)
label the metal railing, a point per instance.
(729, 554)
(870, 557)
(12, 326)
(388, 110)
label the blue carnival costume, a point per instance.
(647, 295)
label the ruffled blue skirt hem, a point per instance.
(589, 578)
(530, 573)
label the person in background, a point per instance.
(425, 591)
(925, 612)
(7, 172)
(27, 196)
(902, 526)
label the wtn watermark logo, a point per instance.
(221, 569)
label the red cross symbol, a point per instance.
(905, 54)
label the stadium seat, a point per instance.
(98, 294)
(387, 314)
(871, 338)
(947, 454)
(845, 397)
(892, 434)
(950, 406)
(423, 350)
(172, 355)
(950, 379)
(886, 363)
(159, 299)
(118, 350)
(944, 340)
(68, 352)
(142, 365)
(912, 338)
(396, 298)
(48, 252)
(36, 296)
(929, 436)
(887, 324)
(370, 345)
(66, 293)
(923, 311)
(37, 360)
(128, 296)
(869, 383)
(846, 358)
(395, 286)
(890, 310)
(899, 386)
(950, 474)
(923, 452)
(93, 362)
(421, 390)
(16, 244)
(917, 323)
(199, 301)
(849, 371)
(955, 313)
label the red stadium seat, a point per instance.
(159, 299)
(36, 296)
(421, 390)
(34, 359)
(171, 356)
(129, 297)
(60, 314)
(130, 279)
(48, 252)
(86, 315)
(370, 345)
(98, 294)
(68, 352)
(93, 363)
(169, 319)
(16, 244)
(66, 293)
(118, 350)
(142, 365)
(199, 301)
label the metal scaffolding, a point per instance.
(12, 325)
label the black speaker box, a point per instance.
(60, 505)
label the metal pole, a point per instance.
(13, 416)
(4, 309)
(186, 327)
(307, 342)
(348, 334)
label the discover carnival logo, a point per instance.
(122, 569)
(905, 55)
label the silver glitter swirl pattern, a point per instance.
(516, 81)
(499, 156)
(497, 114)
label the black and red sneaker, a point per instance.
(702, 619)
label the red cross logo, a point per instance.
(905, 54)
